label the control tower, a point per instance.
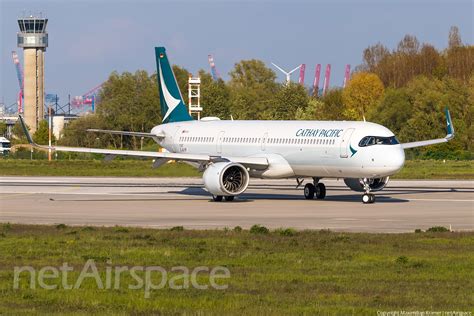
(34, 40)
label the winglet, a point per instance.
(449, 125)
(25, 130)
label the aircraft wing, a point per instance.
(127, 133)
(250, 162)
(449, 135)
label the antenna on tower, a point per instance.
(287, 73)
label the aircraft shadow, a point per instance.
(250, 197)
(198, 192)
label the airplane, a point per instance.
(231, 152)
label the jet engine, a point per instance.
(226, 178)
(376, 184)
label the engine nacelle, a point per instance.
(375, 184)
(226, 178)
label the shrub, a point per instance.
(402, 260)
(237, 229)
(340, 238)
(88, 228)
(177, 229)
(7, 227)
(121, 230)
(61, 226)
(437, 229)
(325, 231)
(287, 232)
(418, 231)
(258, 229)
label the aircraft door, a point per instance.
(345, 143)
(264, 141)
(220, 139)
(175, 139)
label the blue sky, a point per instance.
(90, 39)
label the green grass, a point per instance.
(437, 169)
(414, 169)
(115, 168)
(302, 272)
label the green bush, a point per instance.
(7, 227)
(402, 260)
(121, 230)
(237, 229)
(437, 229)
(61, 226)
(88, 228)
(286, 232)
(177, 229)
(258, 229)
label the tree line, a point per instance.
(405, 89)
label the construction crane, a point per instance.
(214, 73)
(19, 74)
(347, 75)
(327, 76)
(317, 75)
(87, 99)
(301, 78)
(19, 70)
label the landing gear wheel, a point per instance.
(368, 198)
(217, 198)
(229, 198)
(372, 198)
(320, 191)
(365, 198)
(309, 191)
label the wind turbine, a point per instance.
(288, 74)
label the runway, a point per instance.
(402, 206)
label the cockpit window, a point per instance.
(378, 140)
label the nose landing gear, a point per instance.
(367, 198)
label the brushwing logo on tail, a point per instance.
(171, 102)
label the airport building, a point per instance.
(33, 38)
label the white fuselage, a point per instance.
(320, 149)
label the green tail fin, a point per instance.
(173, 108)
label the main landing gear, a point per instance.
(318, 189)
(219, 198)
(367, 198)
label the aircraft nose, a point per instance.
(397, 159)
